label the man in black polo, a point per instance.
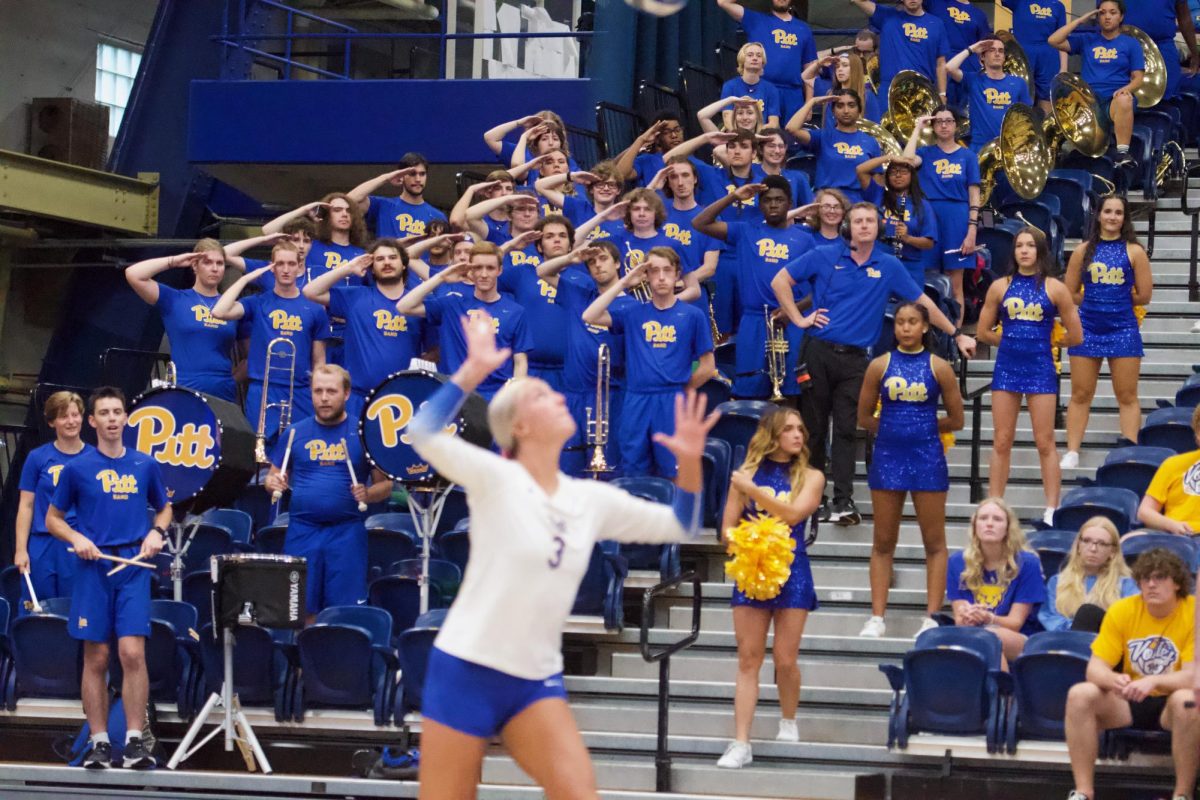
(851, 286)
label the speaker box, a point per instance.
(70, 130)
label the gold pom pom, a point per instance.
(1058, 334)
(1140, 313)
(762, 550)
(947, 441)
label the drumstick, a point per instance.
(37, 607)
(120, 567)
(277, 495)
(362, 507)
(129, 562)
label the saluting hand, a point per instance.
(804, 211)
(360, 264)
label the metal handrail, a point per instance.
(662, 758)
(1194, 212)
(975, 482)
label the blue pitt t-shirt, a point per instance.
(761, 252)
(379, 340)
(297, 319)
(965, 25)
(1034, 20)
(575, 293)
(947, 176)
(989, 99)
(908, 42)
(327, 256)
(39, 476)
(764, 92)
(1155, 17)
(110, 495)
(398, 218)
(200, 343)
(690, 243)
(579, 210)
(1106, 62)
(660, 345)
(317, 473)
(1027, 587)
(545, 319)
(802, 193)
(856, 296)
(508, 317)
(788, 45)
(838, 154)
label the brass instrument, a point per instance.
(1020, 151)
(871, 67)
(284, 348)
(597, 428)
(641, 292)
(1076, 117)
(1016, 63)
(1154, 78)
(777, 353)
(887, 143)
(911, 97)
(989, 165)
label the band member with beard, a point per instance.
(406, 215)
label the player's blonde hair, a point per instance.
(502, 412)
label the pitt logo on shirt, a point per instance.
(390, 323)
(1103, 273)
(55, 471)
(730, 188)
(547, 291)
(785, 39)
(520, 257)
(658, 334)
(768, 249)
(900, 389)
(677, 233)
(945, 168)
(285, 322)
(1104, 55)
(1041, 12)
(319, 450)
(873, 273)
(1017, 309)
(479, 313)
(204, 316)
(782, 495)
(958, 15)
(333, 260)
(407, 223)
(997, 98)
(848, 150)
(915, 32)
(119, 486)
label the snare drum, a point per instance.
(203, 445)
(391, 406)
(269, 588)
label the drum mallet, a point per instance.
(37, 607)
(362, 507)
(277, 495)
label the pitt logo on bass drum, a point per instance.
(204, 317)
(284, 322)
(390, 323)
(673, 231)
(785, 39)
(1103, 273)
(848, 150)
(407, 223)
(657, 334)
(1017, 309)
(393, 413)
(915, 32)
(900, 389)
(155, 430)
(119, 486)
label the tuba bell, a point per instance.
(887, 143)
(1154, 78)
(911, 97)
(1016, 63)
(1020, 152)
(1076, 117)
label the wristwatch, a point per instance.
(161, 532)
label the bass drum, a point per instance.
(203, 445)
(391, 406)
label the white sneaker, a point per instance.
(928, 624)
(1196, 326)
(788, 731)
(1048, 517)
(874, 628)
(1070, 460)
(737, 755)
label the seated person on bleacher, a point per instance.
(1172, 501)
(1141, 674)
(1094, 577)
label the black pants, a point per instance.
(836, 373)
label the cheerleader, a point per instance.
(496, 665)
(1025, 303)
(908, 456)
(1108, 274)
(949, 174)
(774, 479)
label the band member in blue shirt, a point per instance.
(840, 150)
(109, 490)
(989, 93)
(751, 60)
(1032, 23)
(788, 43)
(401, 216)
(965, 25)
(909, 38)
(1161, 20)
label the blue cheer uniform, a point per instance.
(1027, 587)
(965, 25)
(1106, 64)
(989, 100)
(512, 331)
(1157, 19)
(1024, 363)
(907, 41)
(1032, 23)
(946, 179)
(762, 251)
(398, 218)
(1110, 329)
(51, 567)
(798, 591)
(109, 497)
(302, 322)
(822, 86)
(838, 155)
(660, 347)
(921, 222)
(545, 319)
(788, 46)
(575, 293)
(379, 339)
(325, 526)
(763, 92)
(908, 455)
(200, 343)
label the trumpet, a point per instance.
(641, 292)
(777, 353)
(284, 348)
(597, 428)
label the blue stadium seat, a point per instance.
(206, 540)
(455, 547)
(661, 557)
(260, 668)
(237, 522)
(1183, 546)
(10, 588)
(444, 576)
(1132, 467)
(385, 547)
(1188, 395)
(618, 127)
(950, 683)
(999, 242)
(454, 510)
(184, 619)
(1079, 505)
(1074, 201)
(1170, 428)
(716, 392)
(270, 539)
(806, 163)
(1052, 662)
(47, 662)
(400, 597)
(602, 586)
(281, 519)
(60, 606)
(1053, 547)
(197, 591)
(336, 670)
(717, 470)
(414, 647)
(392, 521)
(738, 422)
(384, 665)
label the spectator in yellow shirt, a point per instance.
(1172, 501)
(1141, 674)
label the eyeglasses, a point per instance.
(606, 185)
(1094, 544)
(942, 121)
(831, 206)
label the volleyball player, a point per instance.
(109, 489)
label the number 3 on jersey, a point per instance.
(559, 545)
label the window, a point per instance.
(115, 71)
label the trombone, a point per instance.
(777, 353)
(641, 292)
(597, 427)
(286, 349)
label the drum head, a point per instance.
(179, 429)
(390, 408)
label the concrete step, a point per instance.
(841, 673)
(865, 700)
(901, 624)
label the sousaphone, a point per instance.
(887, 143)
(1020, 151)
(1016, 63)
(911, 97)
(1154, 79)
(1076, 117)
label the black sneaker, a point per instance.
(845, 513)
(137, 755)
(99, 757)
(823, 510)
(1124, 160)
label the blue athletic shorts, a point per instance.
(104, 607)
(477, 700)
(51, 568)
(337, 562)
